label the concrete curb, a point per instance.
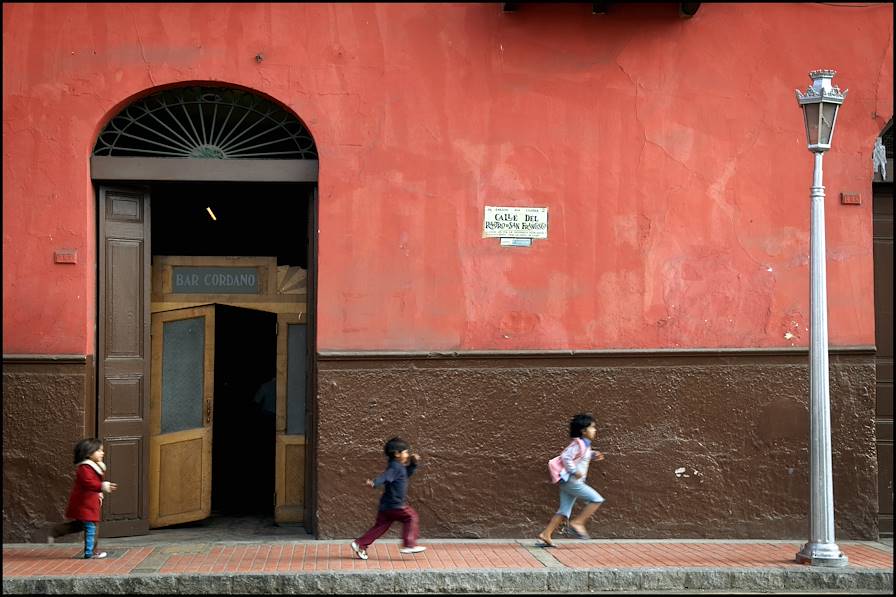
(471, 581)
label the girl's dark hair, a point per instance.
(393, 446)
(86, 447)
(578, 424)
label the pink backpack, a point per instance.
(555, 465)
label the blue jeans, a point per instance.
(89, 538)
(575, 489)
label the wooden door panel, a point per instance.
(126, 397)
(123, 354)
(130, 493)
(183, 342)
(289, 502)
(124, 305)
(290, 493)
(183, 473)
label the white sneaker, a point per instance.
(97, 556)
(415, 549)
(358, 551)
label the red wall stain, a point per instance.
(669, 152)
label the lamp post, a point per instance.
(820, 105)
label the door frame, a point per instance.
(311, 407)
(136, 173)
(882, 236)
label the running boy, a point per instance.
(393, 503)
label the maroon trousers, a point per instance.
(384, 519)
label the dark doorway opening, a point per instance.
(237, 219)
(245, 412)
(232, 219)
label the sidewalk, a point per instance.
(284, 565)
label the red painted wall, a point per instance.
(670, 153)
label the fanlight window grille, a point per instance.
(206, 123)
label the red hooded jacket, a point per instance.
(84, 501)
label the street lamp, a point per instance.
(820, 105)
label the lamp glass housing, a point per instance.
(820, 118)
(811, 113)
(828, 119)
(820, 105)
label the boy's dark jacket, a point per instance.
(395, 479)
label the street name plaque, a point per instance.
(515, 222)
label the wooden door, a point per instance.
(292, 379)
(182, 388)
(883, 339)
(123, 353)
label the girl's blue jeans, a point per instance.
(89, 539)
(576, 489)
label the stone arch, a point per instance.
(207, 132)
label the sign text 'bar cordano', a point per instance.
(214, 280)
(515, 222)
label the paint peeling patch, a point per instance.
(792, 328)
(682, 472)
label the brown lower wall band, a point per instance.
(734, 424)
(710, 445)
(49, 403)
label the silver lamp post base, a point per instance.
(822, 554)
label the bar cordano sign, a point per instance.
(515, 226)
(214, 280)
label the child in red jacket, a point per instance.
(87, 494)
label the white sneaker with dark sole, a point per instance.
(362, 554)
(415, 549)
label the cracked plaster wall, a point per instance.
(669, 152)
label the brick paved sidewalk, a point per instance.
(38, 560)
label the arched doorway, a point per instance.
(207, 203)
